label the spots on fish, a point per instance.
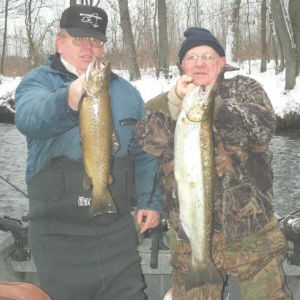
(96, 135)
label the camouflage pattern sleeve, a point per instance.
(154, 132)
(245, 117)
(244, 123)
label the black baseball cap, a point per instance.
(85, 21)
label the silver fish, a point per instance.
(194, 173)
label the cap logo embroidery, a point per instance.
(91, 18)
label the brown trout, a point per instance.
(194, 173)
(96, 129)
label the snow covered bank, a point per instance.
(7, 106)
(286, 103)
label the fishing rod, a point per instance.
(290, 214)
(23, 193)
(14, 186)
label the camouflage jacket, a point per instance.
(243, 127)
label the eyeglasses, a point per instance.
(206, 57)
(79, 41)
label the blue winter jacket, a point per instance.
(52, 129)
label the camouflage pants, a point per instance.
(255, 262)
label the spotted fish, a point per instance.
(97, 137)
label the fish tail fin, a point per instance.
(87, 182)
(102, 203)
(168, 295)
(199, 276)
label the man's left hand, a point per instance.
(147, 219)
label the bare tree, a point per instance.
(140, 44)
(134, 72)
(155, 40)
(224, 24)
(174, 32)
(85, 2)
(36, 30)
(4, 37)
(249, 37)
(188, 5)
(30, 21)
(294, 12)
(263, 30)
(235, 28)
(91, 2)
(9, 7)
(163, 38)
(286, 40)
(278, 56)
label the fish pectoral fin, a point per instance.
(110, 179)
(87, 182)
(102, 203)
(182, 235)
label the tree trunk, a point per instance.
(276, 46)
(263, 30)
(224, 26)
(294, 12)
(89, 2)
(134, 72)
(33, 51)
(286, 42)
(235, 29)
(163, 38)
(156, 59)
(280, 54)
(249, 36)
(4, 38)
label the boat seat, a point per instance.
(21, 291)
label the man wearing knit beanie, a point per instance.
(196, 37)
(247, 242)
(202, 59)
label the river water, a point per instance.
(13, 152)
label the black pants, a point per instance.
(105, 267)
(78, 257)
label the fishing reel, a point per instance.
(290, 226)
(18, 250)
(157, 241)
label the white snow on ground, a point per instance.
(149, 86)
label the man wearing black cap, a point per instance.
(247, 242)
(79, 257)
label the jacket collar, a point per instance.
(55, 62)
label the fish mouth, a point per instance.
(93, 67)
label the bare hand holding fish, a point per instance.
(75, 92)
(184, 85)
